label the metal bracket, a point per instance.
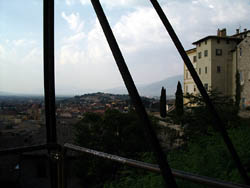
(55, 156)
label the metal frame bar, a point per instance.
(127, 78)
(18, 150)
(22, 149)
(49, 83)
(218, 123)
(49, 80)
(155, 168)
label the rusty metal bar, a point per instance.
(155, 168)
(49, 82)
(127, 78)
(218, 123)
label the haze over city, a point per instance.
(84, 62)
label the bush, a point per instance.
(115, 133)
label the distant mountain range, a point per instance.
(153, 89)
(148, 90)
(10, 94)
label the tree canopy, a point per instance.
(163, 102)
(113, 132)
(179, 100)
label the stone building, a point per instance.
(243, 64)
(216, 58)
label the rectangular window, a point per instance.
(228, 42)
(206, 86)
(206, 42)
(199, 70)
(194, 88)
(194, 59)
(205, 70)
(205, 53)
(218, 52)
(199, 55)
(218, 41)
(218, 69)
(199, 44)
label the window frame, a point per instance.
(218, 69)
(205, 53)
(199, 55)
(218, 52)
(194, 58)
(206, 86)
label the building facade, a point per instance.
(216, 59)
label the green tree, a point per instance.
(114, 132)
(163, 112)
(199, 118)
(179, 101)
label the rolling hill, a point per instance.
(153, 89)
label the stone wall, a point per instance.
(243, 57)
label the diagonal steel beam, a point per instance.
(127, 78)
(218, 123)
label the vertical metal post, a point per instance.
(64, 167)
(49, 83)
(218, 123)
(161, 158)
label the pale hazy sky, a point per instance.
(84, 62)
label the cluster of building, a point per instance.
(17, 113)
(22, 115)
(22, 120)
(216, 59)
(95, 102)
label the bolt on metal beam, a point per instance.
(127, 78)
(218, 123)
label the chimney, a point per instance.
(223, 32)
(218, 32)
(245, 30)
(237, 31)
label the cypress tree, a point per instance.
(163, 112)
(179, 100)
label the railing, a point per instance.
(155, 168)
(49, 87)
(61, 154)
